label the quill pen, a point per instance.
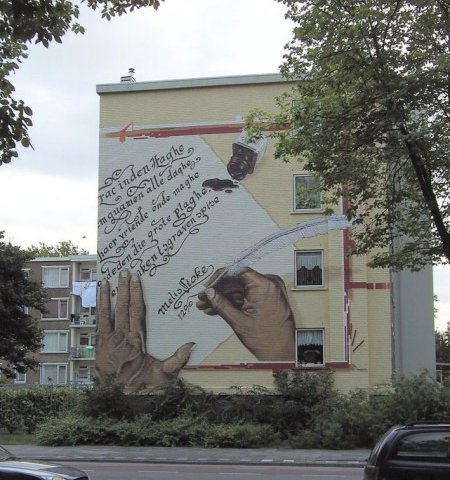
(285, 237)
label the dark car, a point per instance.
(14, 468)
(416, 451)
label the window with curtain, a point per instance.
(53, 374)
(307, 193)
(55, 342)
(310, 347)
(309, 269)
(57, 309)
(55, 277)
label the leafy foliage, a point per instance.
(64, 248)
(327, 419)
(106, 399)
(22, 409)
(19, 333)
(369, 114)
(442, 347)
(38, 21)
(176, 432)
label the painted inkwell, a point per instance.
(245, 156)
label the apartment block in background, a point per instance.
(68, 353)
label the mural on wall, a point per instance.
(172, 214)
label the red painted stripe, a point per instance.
(370, 285)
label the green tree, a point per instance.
(19, 332)
(64, 248)
(442, 347)
(370, 116)
(38, 21)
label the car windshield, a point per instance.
(5, 455)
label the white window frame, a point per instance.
(90, 373)
(312, 286)
(309, 364)
(294, 195)
(20, 378)
(59, 317)
(59, 333)
(56, 381)
(61, 280)
(92, 274)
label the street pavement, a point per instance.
(271, 456)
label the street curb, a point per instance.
(187, 461)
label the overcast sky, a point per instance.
(50, 193)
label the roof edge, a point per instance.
(191, 83)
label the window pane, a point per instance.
(49, 374)
(426, 445)
(50, 277)
(53, 308)
(63, 312)
(309, 268)
(64, 279)
(50, 342)
(62, 344)
(310, 347)
(62, 370)
(307, 192)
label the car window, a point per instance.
(426, 445)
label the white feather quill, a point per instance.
(285, 237)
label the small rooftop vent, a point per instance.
(128, 78)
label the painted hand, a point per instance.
(121, 339)
(257, 308)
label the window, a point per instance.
(55, 342)
(88, 274)
(87, 339)
(426, 445)
(53, 374)
(57, 309)
(309, 269)
(55, 277)
(307, 193)
(310, 347)
(85, 374)
(20, 377)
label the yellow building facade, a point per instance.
(183, 196)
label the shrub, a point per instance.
(176, 432)
(23, 408)
(106, 399)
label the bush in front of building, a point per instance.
(360, 417)
(106, 399)
(22, 409)
(174, 432)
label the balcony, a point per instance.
(78, 320)
(82, 353)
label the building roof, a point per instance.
(190, 83)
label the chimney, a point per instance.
(128, 78)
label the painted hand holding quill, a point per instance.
(256, 306)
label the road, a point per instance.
(146, 471)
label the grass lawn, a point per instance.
(17, 439)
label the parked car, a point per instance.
(417, 451)
(14, 468)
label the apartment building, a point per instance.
(68, 353)
(202, 221)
